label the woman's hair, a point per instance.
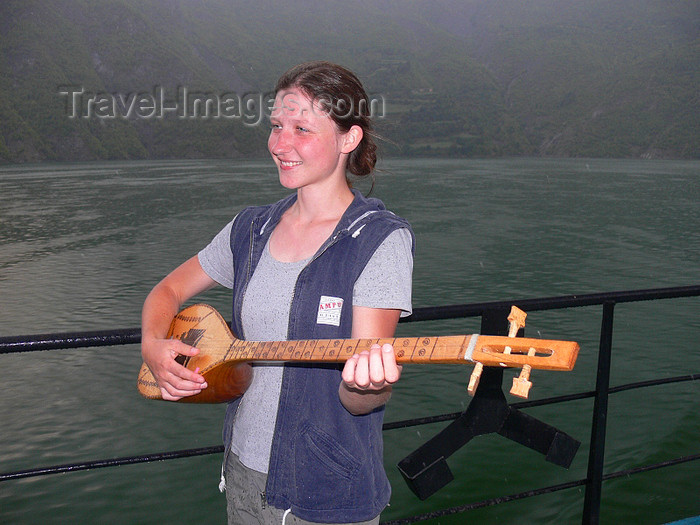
(341, 95)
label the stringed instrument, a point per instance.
(224, 360)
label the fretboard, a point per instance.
(443, 349)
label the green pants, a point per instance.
(245, 499)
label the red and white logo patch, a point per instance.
(329, 310)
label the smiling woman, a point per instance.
(308, 148)
(339, 94)
(325, 244)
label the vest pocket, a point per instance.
(329, 454)
(326, 472)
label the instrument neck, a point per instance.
(443, 349)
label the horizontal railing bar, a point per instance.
(129, 460)
(427, 420)
(551, 303)
(69, 340)
(647, 468)
(654, 382)
(613, 390)
(484, 503)
(543, 402)
(57, 341)
(454, 415)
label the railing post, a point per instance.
(494, 321)
(596, 455)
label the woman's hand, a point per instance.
(175, 381)
(161, 305)
(368, 378)
(372, 371)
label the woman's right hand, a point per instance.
(161, 305)
(175, 381)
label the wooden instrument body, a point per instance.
(224, 360)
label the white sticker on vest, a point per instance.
(329, 309)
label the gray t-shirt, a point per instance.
(384, 283)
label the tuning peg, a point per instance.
(474, 379)
(517, 321)
(521, 384)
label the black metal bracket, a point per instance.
(426, 471)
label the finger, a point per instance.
(173, 394)
(166, 395)
(192, 376)
(392, 371)
(362, 379)
(177, 347)
(178, 387)
(376, 366)
(349, 371)
(185, 380)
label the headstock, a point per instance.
(520, 353)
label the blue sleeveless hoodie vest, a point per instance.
(326, 464)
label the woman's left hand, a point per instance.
(372, 370)
(369, 375)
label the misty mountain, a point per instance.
(126, 79)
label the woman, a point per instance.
(304, 443)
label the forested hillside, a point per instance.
(120, 79)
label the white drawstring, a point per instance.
(284, 516)
(222, 483)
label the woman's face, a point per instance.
(305, 143)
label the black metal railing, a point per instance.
(493, 314)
